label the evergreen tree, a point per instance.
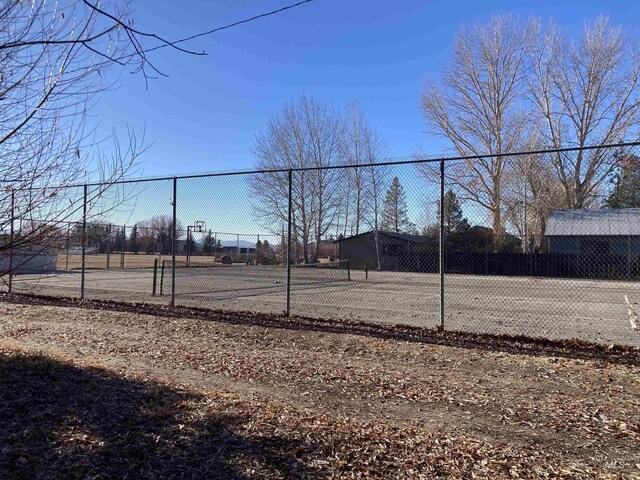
(626, 190)
(208, 242)
(394, 210)
(121, 240)
(454, 221)
(190, 245)
(134, 246)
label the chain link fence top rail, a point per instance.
(486, 244)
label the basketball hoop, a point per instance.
(199, 226)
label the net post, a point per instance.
(348, 271)
(11, 239)
(441, 247)
(84, 241)
(289, 212)
(173, 243)
(155, 277)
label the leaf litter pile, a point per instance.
(97, 393)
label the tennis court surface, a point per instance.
(594, 310)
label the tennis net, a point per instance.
(210, 277)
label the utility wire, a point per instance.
(231, 25)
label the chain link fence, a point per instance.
(490, 244)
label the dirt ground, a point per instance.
(97, 393)
(116, 259)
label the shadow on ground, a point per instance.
(60, 421)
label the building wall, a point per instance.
(361, 252)
(395, 253)
(569, 245)
(615, 244)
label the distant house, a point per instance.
(594, 232)
(389, 251)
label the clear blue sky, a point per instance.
(205, 115)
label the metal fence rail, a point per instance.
(419, 242)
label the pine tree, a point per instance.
(133, 240)
(626, 190)
(208, 243)
(121, 240)
(394, 210)
(190, 245)
(454, 221)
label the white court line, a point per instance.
(633, 316)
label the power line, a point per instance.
(231, 25)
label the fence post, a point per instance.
(124, 246)
(66, 262)
(173, 243)
(109, 247)
(161, 277)
(289, 200)
(84, 241)
(442, 246)
(155, 277)
(11, 239)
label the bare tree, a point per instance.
(361, 145)
(376, 181)
(585, 92)
(477, 106)
(55, 59)
(354, 147)
(531, 192)
(306, 133)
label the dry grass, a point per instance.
(103, 394)
(131, 260)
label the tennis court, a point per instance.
(595, 310)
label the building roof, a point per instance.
(407, 237)
(593, 222)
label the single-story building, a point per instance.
(595, 243)
(592, 232)
(381, 250)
